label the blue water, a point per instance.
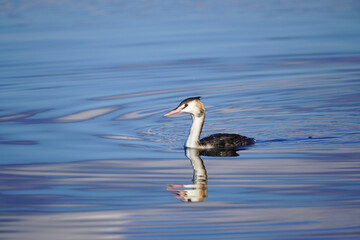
(86, 153)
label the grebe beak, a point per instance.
(177, 110)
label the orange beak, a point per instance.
(177, 110)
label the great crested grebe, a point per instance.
(220, 140)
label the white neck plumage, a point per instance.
(193, 140)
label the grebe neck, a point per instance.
(193, 140)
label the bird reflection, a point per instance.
(229, 152)
(197, 192)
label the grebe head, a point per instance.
(191, 105)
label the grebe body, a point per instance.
(220, 140)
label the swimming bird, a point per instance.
(196, 109)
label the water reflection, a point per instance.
(229, 152)
(260, 196)
(196, 192)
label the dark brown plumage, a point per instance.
(226, 140)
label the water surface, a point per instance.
(87, 154)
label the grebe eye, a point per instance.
(186, 105)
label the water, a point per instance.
(87, 154)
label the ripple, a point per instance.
(139, 114)
(173, 90)
(122, 137)
(85, 115)
(19, 116)
(18, 142)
